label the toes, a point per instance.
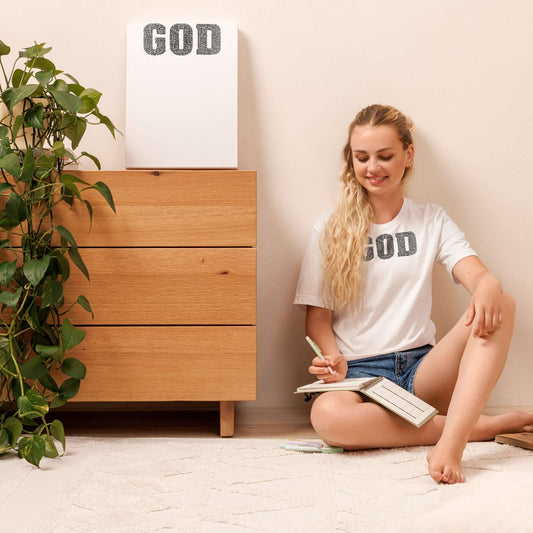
(436, 474)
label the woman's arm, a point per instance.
(485, 309)
(318, 327)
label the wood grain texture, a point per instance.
(168, 363)
(227, 419)
(173, 288)
(167, 208)
(166, 286)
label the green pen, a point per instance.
(316, 349)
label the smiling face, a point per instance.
(379, 159)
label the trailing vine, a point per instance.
(44, 113)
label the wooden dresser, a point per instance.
(173, 288)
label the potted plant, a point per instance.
(44, 113)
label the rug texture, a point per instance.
(244, 485)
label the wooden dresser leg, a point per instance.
(227, 419)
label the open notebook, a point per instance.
(382, 391)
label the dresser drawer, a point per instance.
(168, 363)
(167, 208)
(166, 286)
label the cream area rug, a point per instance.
(246, 485)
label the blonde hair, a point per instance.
(344, 240)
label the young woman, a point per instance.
(365, 283)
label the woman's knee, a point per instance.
(329, 409)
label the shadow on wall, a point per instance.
(277, 336)
(431, 184)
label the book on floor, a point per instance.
(382, 391)
(312, 446)
(524, 440)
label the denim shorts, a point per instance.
(399, 367)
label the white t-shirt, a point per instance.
(393, 313)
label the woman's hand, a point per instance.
(484, 312)
(338, 364)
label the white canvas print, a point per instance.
(181, 102)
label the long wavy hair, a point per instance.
(345, 237)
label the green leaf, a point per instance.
(38, 50)
(11, 163)
(60, 85)
(94, 159)
(4, 441)
(5, 357)
(67, 100)
(12, 97)
(63, 267)
(85, 304)
(4, 49)
(11, 298)
(57, 402)
(75, 88)
(32, 317)
(90, 211)
(34, 117)
(105, 120)
(68, 182)
(5, 187)
(70, 335)
(20, 78)
(49, 382)
(90, 99)
(76, 132)
(50, 449)
(17, 124)
(33, 369)
(93, 94)
(74, 368)
(16, 209)
(49, 351)
(58, 431)
(14, 428)
(44, 76)
(59, 149)
(69, 388)
(78, 261)
(52, 292)
(46, 162)
(65, 233)
(104, 190)
(32, 449)
(35, 269)
(32, 404)
(28, 166)
(43, 64)
(7, 271)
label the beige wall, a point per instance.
(461, 69)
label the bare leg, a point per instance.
(343, 419)
(457, 377)
(480, 365)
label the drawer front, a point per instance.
(167, 208)
(166, 286)
(162, 363)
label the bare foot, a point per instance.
(444, 464)
(444, 460)
(512, 422)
